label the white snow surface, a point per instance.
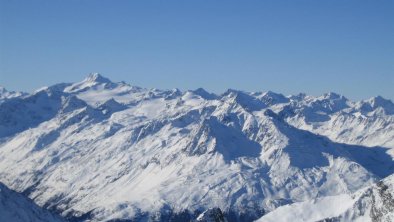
(114, 151)
(5, 94)
(374, 203)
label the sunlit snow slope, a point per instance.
(374, 203)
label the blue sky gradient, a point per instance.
(315, 46)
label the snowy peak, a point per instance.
(172, 94)
(272, 98)
(380, 102)
(96, 78)
(244, 99)
(315, 149)
(330, 102)
(376, 104)
(316, 109)
(92, 80)
(204, 94)
(3, 90)
(331, 95)
(5, 94)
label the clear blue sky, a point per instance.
(315, 46)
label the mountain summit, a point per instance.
(96, 78)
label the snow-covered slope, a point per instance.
(15, 207)
(103, 151)
(5, 94)
(369, 123)
(374, 203)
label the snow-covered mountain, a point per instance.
(5, 94)
(368, 122)
(373, 203)
(98, 150)
(15, 207)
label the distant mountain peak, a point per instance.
(271, 98)
(204, 94)
(231, 92)
(6, 94)
(271, 93)
(3, 89)
(332, 95)
(298, 97)
(93, 79)
(380, 101)
(97, 78)
(376, 102)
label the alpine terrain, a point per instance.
(97, 150)
(15, 207)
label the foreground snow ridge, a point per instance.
(374, 203)
(97, 150)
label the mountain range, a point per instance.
(97, 150)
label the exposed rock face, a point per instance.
(212, 215)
